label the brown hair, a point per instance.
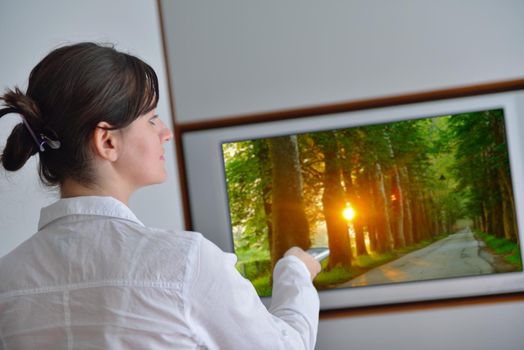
(70, 91)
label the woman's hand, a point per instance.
(312, 265)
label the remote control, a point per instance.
(319, 253)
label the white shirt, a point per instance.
(94, 277)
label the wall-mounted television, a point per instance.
(415, 201)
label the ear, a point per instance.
(106, 142)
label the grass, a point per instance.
(262, 285)
(260, 277)
(247, 255)
(335, 276)
(370, 261)
(509, 250)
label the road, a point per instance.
(456, 255)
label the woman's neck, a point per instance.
(72, 188)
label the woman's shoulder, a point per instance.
(155, 242)
(198, 251)
(192, 237)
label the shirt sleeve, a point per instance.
(225, 312)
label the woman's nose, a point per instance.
(169, 134)
(166, 133)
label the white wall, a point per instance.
(477, 327)
(233, 57)
(29, 29)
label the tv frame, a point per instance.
(205, 195)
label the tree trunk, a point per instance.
(333, 201)
(509, 203)
(383, 220)
(289, 224)
(417, 220)
(397, 200)
(484, 219)
(371, 213)
(495, 221)
(506, 189)
(427, 223)
(507, 219)
(264, 167)
(354, 198)
(408, 216)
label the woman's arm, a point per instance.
(225, 311)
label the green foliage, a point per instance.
(334, 276)
(371, 261)
(246, 174)
(258, 272)
(254, 269)
(262, 285)
(249, 256)
(480, 152)
(312, 167)
(515, 258)
(508, 249)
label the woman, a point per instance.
(94, 276)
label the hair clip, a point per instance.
(53, 144)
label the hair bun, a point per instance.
(20, 145)
(20, 103)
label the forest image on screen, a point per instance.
(412, 200)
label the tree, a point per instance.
(289, 223)
(483, 159)
(333, 202)
(397, 198)
(349, 155)
(248, 183)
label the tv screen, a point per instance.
(415, 202)
(396, 202)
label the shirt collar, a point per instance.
(86, 205)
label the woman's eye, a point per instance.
(152, 120)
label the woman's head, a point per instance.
(70, 92)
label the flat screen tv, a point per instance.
(415, 202)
